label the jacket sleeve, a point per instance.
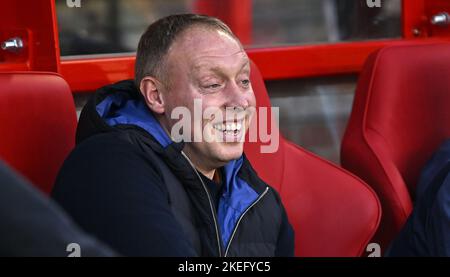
(438, 225)
(285, 243)
(113, 192)
(34, 226)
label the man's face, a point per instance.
(210, 66)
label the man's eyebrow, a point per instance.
(218, 69)
(245, 64)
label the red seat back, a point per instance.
(333, 212)
(401, 114)
(37, 124)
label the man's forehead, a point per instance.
(206, 41)
(219, 66)
(201, 47)
(198, 34)
(206, 61)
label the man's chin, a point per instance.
(230, 151)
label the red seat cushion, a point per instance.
(333, 213)
(37, 124)
(401, 113)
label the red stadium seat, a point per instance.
(401, 114)
(333, 212)
(37, 124)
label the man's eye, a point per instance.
(213, 86)
(245, 82)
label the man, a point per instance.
(129, 183)
(427, 231)
(32, 225)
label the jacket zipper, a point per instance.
(242, 216)
(210, 203)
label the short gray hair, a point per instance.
(160, 35)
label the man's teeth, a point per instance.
(229, 127)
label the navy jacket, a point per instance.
(131, 186)
(427, 231)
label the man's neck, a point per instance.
(216, 176)
(210, 174)
(207, 172)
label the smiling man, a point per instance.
(134, 184)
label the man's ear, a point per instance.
(151, 90)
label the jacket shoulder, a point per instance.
(114, 192)
(105, 162)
